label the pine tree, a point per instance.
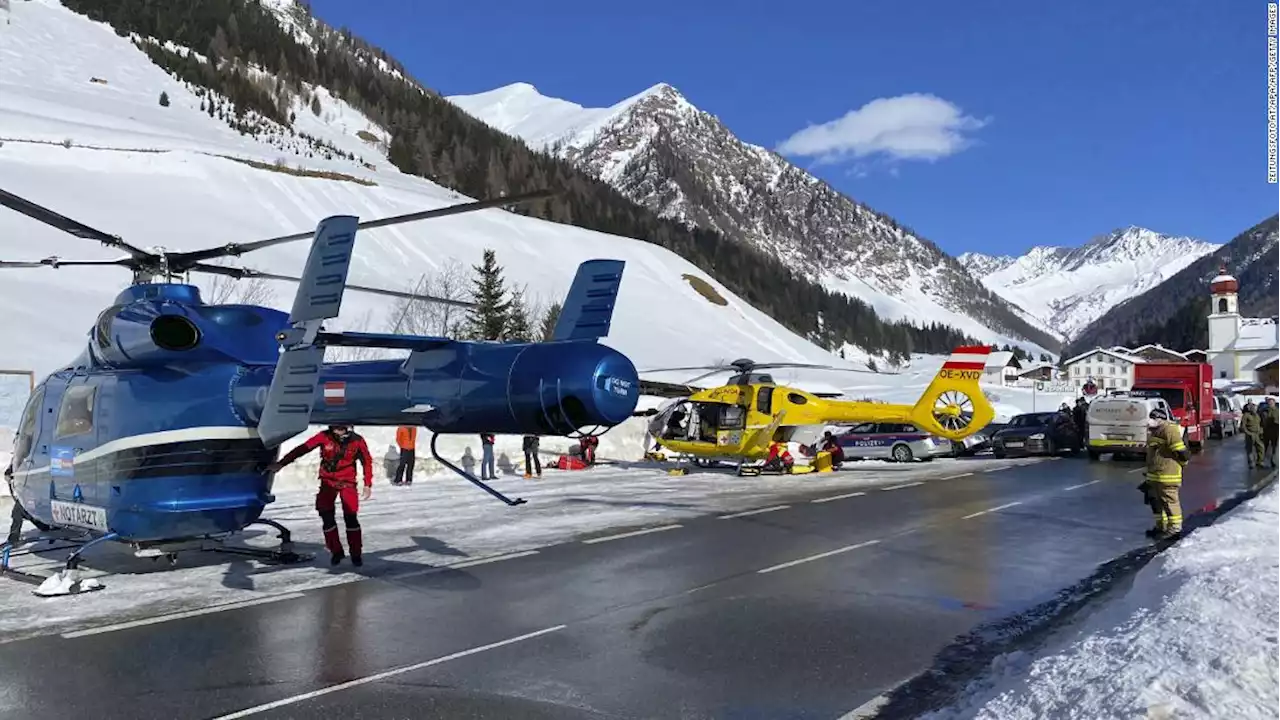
(518, 329)
(549, 320)
(164, 99)
(488, 319)
(315, 105)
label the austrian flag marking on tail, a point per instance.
(335, 393)
(971, 357)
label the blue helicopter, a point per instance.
(159, 434)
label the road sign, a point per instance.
(1049, 386)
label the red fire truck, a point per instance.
(1187, 387)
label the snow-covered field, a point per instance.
(187, 197)
(1195, 636)
(438, 521)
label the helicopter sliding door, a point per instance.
(24, 445)
(73, 434)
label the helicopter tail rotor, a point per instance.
(954, 406)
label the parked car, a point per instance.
(1226, 421)
(1041, 433)
(977, 442)
(900, 442)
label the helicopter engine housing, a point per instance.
(162, 332)
(467, 387)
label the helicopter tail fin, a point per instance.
(287, 410)
(954, 406)
(588, 308)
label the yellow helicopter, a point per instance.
(739, 422)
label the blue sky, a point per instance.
(1025, 123)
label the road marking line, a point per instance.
(383, 675)
(1076, 487)
(1004, 467)
(463, 564)
(991, 510)
(493, 558)
(953, 477)
(819, 556)
(754, 512)
(1136, 470)
(868, 709)
(899, 487)
(646, 531)
(179, 615)
(838, 497)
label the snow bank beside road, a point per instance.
(1195, 636)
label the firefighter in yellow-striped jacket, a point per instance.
(1167, 454)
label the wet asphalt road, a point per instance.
(805, 611)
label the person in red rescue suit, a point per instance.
(340, 449)
(831, 445)
(779, 458)
(588, 445)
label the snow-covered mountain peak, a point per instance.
(661, 151)
(1067, 288)
(980, 264)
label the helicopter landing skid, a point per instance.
(8, 571)
(69, 580)
(283, 555)
(11, 548)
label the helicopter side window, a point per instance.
(75, 417)
(27, 427)
(764, 400)
(796, 398)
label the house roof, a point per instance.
(1261, 361)
(1257, 334)
(1122, 356)
(1033, 367)
(1155, 347)
(1002, 358)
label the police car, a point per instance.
(900, 442)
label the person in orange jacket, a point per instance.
(407, 441)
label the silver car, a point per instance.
(901, 442)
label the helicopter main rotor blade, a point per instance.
(241, 273)
(55, 262)
(717, 369)
(183, 261)
(69, 226)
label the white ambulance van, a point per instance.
(1118, 424)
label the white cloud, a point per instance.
(907, 127)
